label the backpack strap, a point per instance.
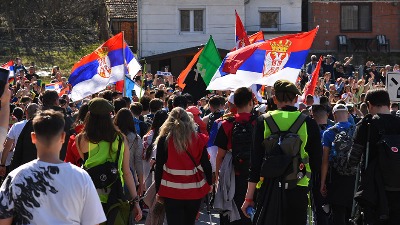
(297, 123)
(119, 148)
(271, 123)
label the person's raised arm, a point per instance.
(348, 61)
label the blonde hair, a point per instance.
(180, 126)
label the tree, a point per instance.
(41, 27)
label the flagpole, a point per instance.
(124, 63)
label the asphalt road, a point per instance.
(204, 219)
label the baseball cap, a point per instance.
(286, 86)
(339, 107)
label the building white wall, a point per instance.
(290, 17)
(159, 24)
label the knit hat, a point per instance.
(100, 106)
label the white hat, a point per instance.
(230, 98)
(339, 107)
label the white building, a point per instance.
(273, 17)
(171, 31)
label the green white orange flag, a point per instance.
(197, 75)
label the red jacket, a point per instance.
(181, 179)
(72, 154)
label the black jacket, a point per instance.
(25, 151)
(371, 193)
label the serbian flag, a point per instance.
(54, 87)
(9, 66)
(103, 66)
(310, 86)
(264, 62)
(240, 33)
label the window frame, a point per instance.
(270, 10)
(192, 21)
(358, 4)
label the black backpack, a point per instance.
(242, 136)
(106, 174)
(282, 152)
(389, 158)
(342, 144)
(212, 118)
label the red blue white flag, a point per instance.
(264, 62)
(240, 33)
(54, 87)
(103, 66)
(9, 66)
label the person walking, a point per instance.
(99, 143)
(124, 121)
(183, 171)
(337, 182)
(376, 144)
(46, 200)
(282, 197)
(234, 140)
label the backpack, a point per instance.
(282, 152)
(389, 159)
(242, 136)
(106, 174)
(212, 118)
(342, 146)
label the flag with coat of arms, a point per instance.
(264, 62)
(103, 66)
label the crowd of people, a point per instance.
(288, 160)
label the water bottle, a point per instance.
(250, 211)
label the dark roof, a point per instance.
(122, 9)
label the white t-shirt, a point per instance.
(16, 130)
(45, 193)
(14, 133)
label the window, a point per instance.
(192, 20)
(356, 17)
(270, 19)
